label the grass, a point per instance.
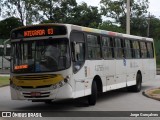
(4, 81)
(156, 91)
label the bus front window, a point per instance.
(40, 56)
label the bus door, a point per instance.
(120, 63)
(109, 61)
(129, 48)
(78, 59)
(145, 61)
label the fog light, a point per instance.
(66, 79)
(60, 84)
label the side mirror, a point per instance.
(6, 45)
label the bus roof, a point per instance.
(110, 33)
(93, 30)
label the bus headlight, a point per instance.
(61, 83)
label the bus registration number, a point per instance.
(33, 94)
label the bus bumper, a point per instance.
(64, 92)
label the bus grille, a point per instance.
(35, 77)
(42, 95)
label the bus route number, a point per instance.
(50, 31)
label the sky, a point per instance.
(154, 5)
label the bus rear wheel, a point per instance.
(93, 97)
(138, 86)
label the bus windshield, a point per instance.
(40, 56)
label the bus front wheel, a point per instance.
(93, 97)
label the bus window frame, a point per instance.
(149, 57)
(142, 49)
(111, 47)
(99, 39)
(131, 48)
(71, 47)
(122, 47)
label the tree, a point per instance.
(22, 9)
(57, 11)
(67, 11)
(88, 16)
(109, 26)
(154, 27)
(117, 10)
(7, 25)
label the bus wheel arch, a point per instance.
(96, 88)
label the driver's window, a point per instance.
(78, 50)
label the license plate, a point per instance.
(35, 94)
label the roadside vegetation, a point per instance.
(4, 80)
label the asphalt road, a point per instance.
(118, 100)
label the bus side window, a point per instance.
(118, 48)
(93, 45)
(127, 50)
(77, 50)
(136, 49)
(107, 47)
(143, 49)
(149, 50)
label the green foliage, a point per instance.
(107, 25)
(7, 25)
(116, 9)
(88, 16)
(56, 10)
(23, 9)
(154, 27)
(67, 11)
(4, 81)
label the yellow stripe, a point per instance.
(154, 50)
(36, 83)
(87, 29)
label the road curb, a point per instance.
(4, 85)
(146, 93)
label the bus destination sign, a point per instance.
(38, 31)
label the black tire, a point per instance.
(93, 97)
(48, 102)
(138, 86)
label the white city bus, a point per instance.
(61, 61)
